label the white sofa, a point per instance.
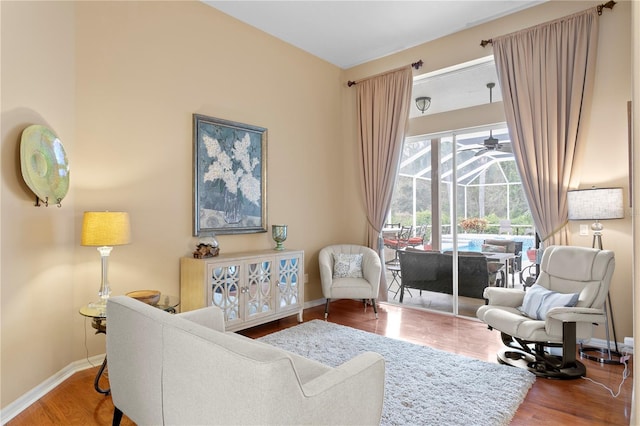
(184, 369)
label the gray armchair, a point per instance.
(560, 308)
(363, 285)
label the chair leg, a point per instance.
(568, 345)
(326, 309)
(375, 308)
(117, 417)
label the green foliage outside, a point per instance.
(488, 203)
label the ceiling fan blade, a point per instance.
(505, 147)
(470, 147)
(481, 152)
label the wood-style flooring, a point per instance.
(549, 402)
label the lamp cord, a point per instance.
(625, 374)
(86, 347)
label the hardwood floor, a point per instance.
(549, 402)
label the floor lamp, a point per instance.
(598, 204)
(105, 230)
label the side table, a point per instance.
(394, 268)
(99, 323)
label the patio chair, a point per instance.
(505, 227)
(418, 236)
(400, 241)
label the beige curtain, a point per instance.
(546, 74)
(383, 114)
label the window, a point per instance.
(488, 183)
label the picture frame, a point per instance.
(230, 177)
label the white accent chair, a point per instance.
(567, 270)
(365, 288)
(185, 370)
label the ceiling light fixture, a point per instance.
(423, 103)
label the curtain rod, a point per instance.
(416, 65)
(607, 5)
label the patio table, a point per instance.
(503, 257)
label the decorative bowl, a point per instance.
(150, 297)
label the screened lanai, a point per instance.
(486, 183)
(454, 175)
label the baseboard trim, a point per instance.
(602, 343)
(23, 402)
(314, 303)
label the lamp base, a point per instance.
(601, 355)
(100, 306)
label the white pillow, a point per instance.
(539, 300)
(347, 265)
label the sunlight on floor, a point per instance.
(394, 322)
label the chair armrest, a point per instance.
(325, 263)
(372, 269)
(365, 364)
(210, 317)
(574, 314)
(499, 296)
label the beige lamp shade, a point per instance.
(595, 204)
(105, 229)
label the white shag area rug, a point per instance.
(423, 386)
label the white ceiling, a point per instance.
(460, 86)
(349, 33)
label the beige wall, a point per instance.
(38, 243)
(606, 124)
(137, 90)
(121, 83)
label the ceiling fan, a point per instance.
(492, 144)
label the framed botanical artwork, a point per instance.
(230, 174)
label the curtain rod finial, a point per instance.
(484, 43)
(607, 5)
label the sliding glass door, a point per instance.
(457, 191)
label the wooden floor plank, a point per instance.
(549, 402)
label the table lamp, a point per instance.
(105, 230)
(598, 204)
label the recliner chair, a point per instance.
(562, 306)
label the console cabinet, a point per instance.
(250, 287)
